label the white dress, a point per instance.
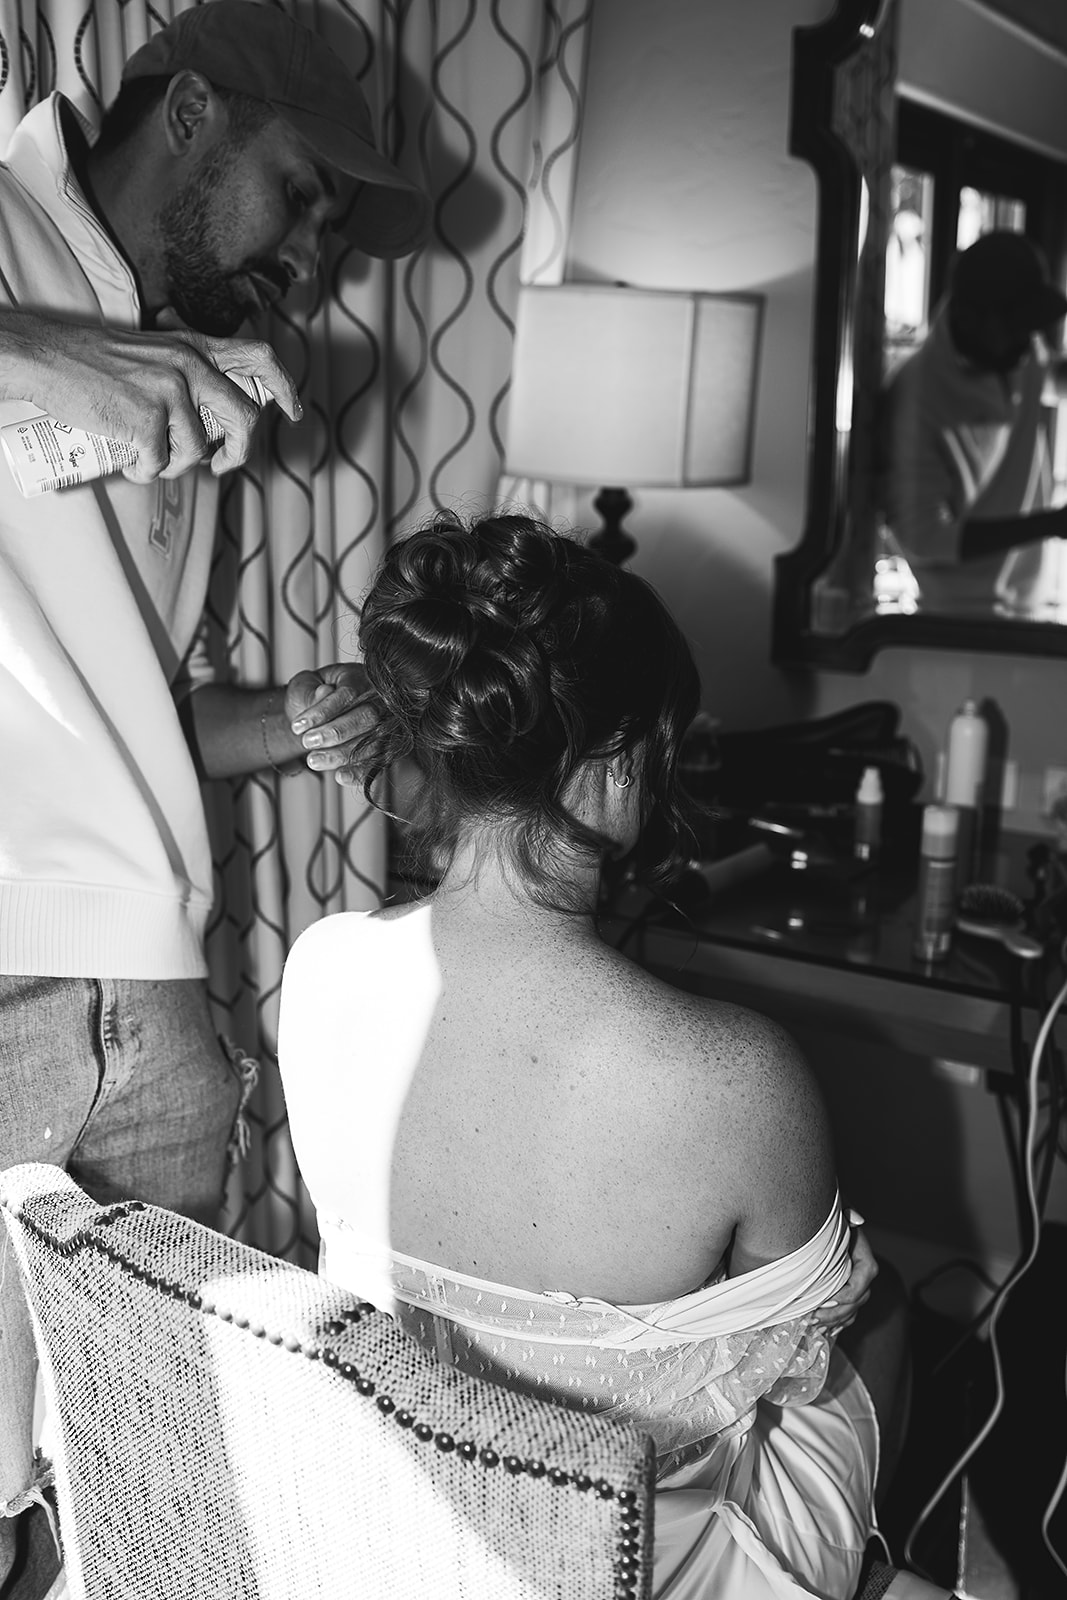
(766, 1439)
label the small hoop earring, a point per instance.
(620, 783)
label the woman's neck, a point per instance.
(479, 885)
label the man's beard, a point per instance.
(203, 293)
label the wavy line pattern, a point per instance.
(403, 370)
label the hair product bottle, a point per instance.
(44, 453)
(965, 763)
(936, 899)
(868, 830)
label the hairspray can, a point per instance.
(44, 453)
(936, 899)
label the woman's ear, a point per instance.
(622, 800)
(623, 770)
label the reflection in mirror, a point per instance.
(965, 436)
(938, 473)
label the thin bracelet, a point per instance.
(291, 768)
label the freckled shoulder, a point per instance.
(695, 1027)
(736, 1079)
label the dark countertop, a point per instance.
(838, 913)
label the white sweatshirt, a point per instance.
(105, 867)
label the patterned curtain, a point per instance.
(403, 370)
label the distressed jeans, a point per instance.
(127, 1085)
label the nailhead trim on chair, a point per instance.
(629, 1516)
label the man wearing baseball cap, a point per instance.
(129, 263)
(320, 122)
(963, 450)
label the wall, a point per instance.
(685, 181)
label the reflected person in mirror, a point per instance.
(963, 456)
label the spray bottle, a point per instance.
(936, 900)
(44, 453)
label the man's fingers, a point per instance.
(187, 443)
(237, 416)
(150, 390)
(349, 723)
(326, 713)
(170, 447)
(303, 691)
(256, 359)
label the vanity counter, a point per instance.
(832, 945)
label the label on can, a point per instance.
(45, 454)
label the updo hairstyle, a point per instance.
(501, 657)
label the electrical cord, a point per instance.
(995, 1307)
(1047, 1111)
(1049, 1144)
(1027, 1110)
(1015, 1144)
(1016, 1154)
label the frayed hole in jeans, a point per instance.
(246, 1070)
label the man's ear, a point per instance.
(193, 114)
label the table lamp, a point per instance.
(652, 387)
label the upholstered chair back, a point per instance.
(227, 1425)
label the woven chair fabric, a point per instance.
(228, 1424)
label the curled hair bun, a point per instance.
(450, 631)
(507, 658)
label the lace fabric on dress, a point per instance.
(688, 1371)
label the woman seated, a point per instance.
(558, 1171)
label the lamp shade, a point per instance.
(633, 386)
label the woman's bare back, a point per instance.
(573, 1123)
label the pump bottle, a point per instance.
(868, 829)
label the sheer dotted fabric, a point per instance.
(688, 1372)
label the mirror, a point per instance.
(927, 123)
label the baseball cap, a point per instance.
(1005, 271)
(257, 49)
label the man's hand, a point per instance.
(855, 1293)
(325, 713)
(143, 388)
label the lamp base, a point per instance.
(611, 539)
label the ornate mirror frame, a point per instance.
(818, 53)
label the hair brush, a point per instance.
(994, 913)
